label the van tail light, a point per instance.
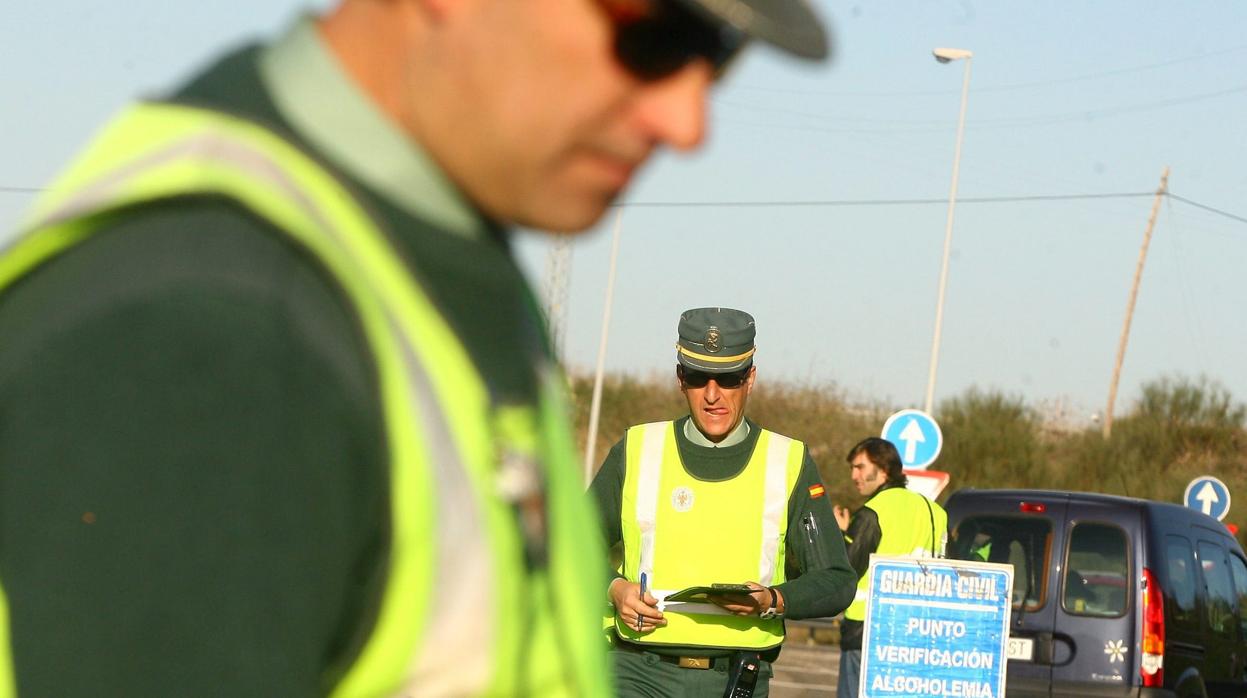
(1033, 507)
(1151, 665)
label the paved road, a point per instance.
(806, 671)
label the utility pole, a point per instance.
(558, 269)
(1134, 294)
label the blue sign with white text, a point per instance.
(1209, 495)
(916, 436)
(935, 628)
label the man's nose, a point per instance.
(713, 390)
(673, 110)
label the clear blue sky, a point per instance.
(1065, 98)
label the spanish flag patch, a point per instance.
(816, 491)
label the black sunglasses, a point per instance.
(699, 379)
(668, 37)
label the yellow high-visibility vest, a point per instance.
(909, 524)
(682, 532)
(460, 609)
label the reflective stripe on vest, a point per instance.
(684, 532)
(455, 577)
(906, 527)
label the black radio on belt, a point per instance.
(743, 676)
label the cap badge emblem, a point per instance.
(712, 339)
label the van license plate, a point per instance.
(1020, 648)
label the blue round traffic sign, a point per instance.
(916, 435)
(1209, 495)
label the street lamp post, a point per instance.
(947, 55)
(595, 407)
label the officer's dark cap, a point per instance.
(789, 25)
(715, 340)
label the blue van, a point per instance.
(1112, 596)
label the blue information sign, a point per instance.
(1209, 495)
(916, 435)
(935, 628)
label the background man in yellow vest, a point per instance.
(276, 415)
(713, 498)
(892, 521)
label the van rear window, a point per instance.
(1180, 580)
(1221, 599)
(1024, 542)
(1240, 588)
(1097, 571)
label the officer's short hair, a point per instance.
(884, 455)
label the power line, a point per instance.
(1003, 87)
(1210, 209)
(1088, 114)
(855, 202)
(813, 203)
(890, 126)
(1110, 73)
(876, 202)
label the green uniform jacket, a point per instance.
(813, 590)
(193, 487)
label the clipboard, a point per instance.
(702, 593)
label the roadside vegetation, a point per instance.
(1179, 429)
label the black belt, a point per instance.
(684, 662)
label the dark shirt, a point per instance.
(193, 478)
(817, 590)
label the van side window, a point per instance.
(1096, 571)
(1220, 590)
(1023, 542)
(1240, 585)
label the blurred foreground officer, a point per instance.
(277, 414)
(710, 498)
(892, 521)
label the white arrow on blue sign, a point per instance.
(1209, 495)
(916, 435)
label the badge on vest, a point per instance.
(682, 499)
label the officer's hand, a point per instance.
(842, 516)
(640, 614)
(750, 604)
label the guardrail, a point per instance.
(813, 631)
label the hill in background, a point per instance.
(1179, 429)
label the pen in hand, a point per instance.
(640, 619)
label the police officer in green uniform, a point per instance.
(277, 412)
(713, 498)
(892, 521)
